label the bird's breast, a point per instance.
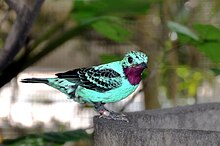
(113, 95)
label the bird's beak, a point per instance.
(144, 65)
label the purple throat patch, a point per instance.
(134, 74)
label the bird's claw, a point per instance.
(115, 116)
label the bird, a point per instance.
(101, 84)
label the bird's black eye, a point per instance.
(130, 60)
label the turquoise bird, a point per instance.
(101, 84)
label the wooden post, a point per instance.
(188, 125)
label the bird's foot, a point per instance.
(108, 114)
(114, 116)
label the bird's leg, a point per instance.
(99, 107)
(108, 114)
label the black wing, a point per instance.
(100, 80)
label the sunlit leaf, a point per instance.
(207, 32)
(182, 30)
(183, 71)
(190, 80)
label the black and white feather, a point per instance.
(100, 80)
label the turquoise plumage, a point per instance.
(101, 84)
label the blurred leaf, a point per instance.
(84, 10)
(106, 58)
(211, 50)
(145, 74)
(29, 142)
(216, 71)
(107, 16)
(185, 39)
(194, 83)
(54, 137)
(65, 136)
(112, 30)
(207, 32)
(209, 44)
(190, 80)
(182, 30)
(183, 71)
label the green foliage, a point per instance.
(114, 31)
(211, 50)
(207, 39)
(184, 39)
(145, 74)
(107, 17)
(216, 71)
(190, 80)
(209, 43)
(55, 138)
(207, 32)
(85, 11)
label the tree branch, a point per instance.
(26, 13)
(19, 65)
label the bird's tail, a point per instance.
(34, 80)
(61, 84)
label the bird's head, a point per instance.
(135, 59)
(133, 65)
